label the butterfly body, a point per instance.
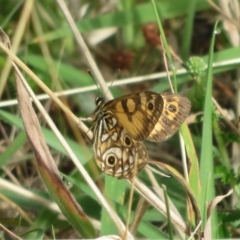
(123, 123)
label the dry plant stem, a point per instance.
(210, 208)
(88, 179)
(159, 191)
(9, 232)
(35, 133)
(190, 196)
(11, 175)
(159, 205)
(195, 231)
(110, 237)
(124, 81)
(18, 34)
(53, 71)
(45, 162)
(18, 209)
(230, 8)
(174, 55)
(139, 213)
(166, 67)
(23, 193)
(219, 10)
(184, 157)
(131, 192)
(153, 170)
(94, 69)
(6, 138)
(182, 144)
(170, 230)
(234, 128)
(38, 81)
(29, 195)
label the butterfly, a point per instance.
(121, 124)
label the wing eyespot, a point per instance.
(127, 141)
(150, 106)
(172, 108)
(111, 160)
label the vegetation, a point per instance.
(50, 184)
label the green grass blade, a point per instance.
(141, 14)
(206, 162)
(16, 144)
(114, 188)
(50, 137)
(187, 36)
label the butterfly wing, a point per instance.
(150, 115)
(176, 109)
(138, 112)
(116, 152)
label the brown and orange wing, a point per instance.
(148, 115)
(176, 109)
(138, 113)
(115, 152)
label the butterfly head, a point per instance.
(100, 101)
(97, 113)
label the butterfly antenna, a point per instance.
(114, 78)
(98, 88)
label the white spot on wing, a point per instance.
(102, 165)
(105, 124)
(104, 137)
(116, 151)
(114, 121)
(98, 152)
(131, 159)
(119, 170)
(114, 136)
(134, 151)
(100, 128)
(110, 170)
(126, 168)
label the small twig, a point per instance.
(168, 73)
(11, 233)
(219, 10)
(195, 230)
(182, 143)
(94, 69)
(234, 128)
